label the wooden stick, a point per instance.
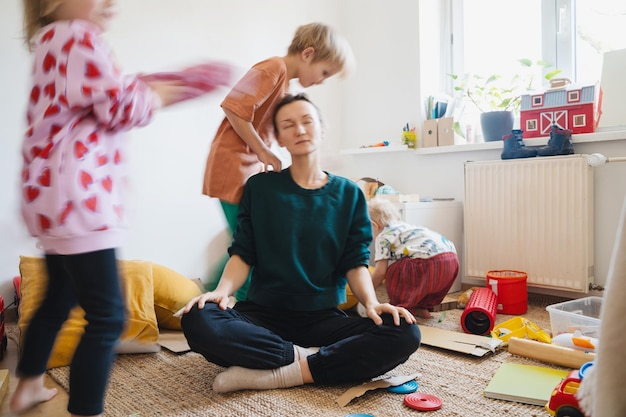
(546, 352)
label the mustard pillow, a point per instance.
(171, 292)
(141, 332)
(351, 300)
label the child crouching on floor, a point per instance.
(417, 265)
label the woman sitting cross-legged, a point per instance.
(304, 233)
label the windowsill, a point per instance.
(600, 136)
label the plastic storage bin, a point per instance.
(582, 314)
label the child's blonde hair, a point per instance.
(383, 212)
(329, 46)
(37, 14)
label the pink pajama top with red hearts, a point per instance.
(74, 150)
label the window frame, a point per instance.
(558, 37)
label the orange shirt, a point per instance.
(231, 162)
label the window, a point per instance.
(486, 37)
(489, 36)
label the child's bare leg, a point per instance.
(30, 391)
(421, 313)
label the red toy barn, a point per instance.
(575, 107)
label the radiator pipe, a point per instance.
(596, 159)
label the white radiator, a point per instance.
(533, 215)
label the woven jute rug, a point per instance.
(179, 385)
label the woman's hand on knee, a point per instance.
(374, 312)
(209, 297)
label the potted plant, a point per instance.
(498, 100)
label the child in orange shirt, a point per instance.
(241, 147)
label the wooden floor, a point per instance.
(56, 407)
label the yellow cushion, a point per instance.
(141, 332)
(171, 292)
(351, 300)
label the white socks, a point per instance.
(302, 352)
(237, 378)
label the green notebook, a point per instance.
(526, 384)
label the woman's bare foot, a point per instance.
(30, 391)
(422, 313)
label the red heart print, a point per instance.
(34, 94)
(68, 45)
(49, 62)
(54, 129)
(52, 110)
(47, 36)
(31, 193)
(91, 203)
(114, 108)
(107, 183)
(118, 157)
(29, 132)
(92, 138)
(63, 69)
(91, 70)
(63, 100)
(113, 93)
(86, 42)
(45, 152)
(35, 151)
(25, 174)
(44, 178)
(80, 150)
(101, 160)
(87, 91)
(44, 222)
(49, 90)
(67, 209)
(85, 179)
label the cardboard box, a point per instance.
(438, 132)
(429, 133)
(445, 131)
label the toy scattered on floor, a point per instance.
(479, 315)
(522, 328)
(422, 402)
(465, 296)
(576, 340)
(563, 401)
(406, 388)
(549, 352)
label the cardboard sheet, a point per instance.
(174, 341)
(470, 344)
(354, 392)
(4, 383)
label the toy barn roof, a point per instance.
(558, 97)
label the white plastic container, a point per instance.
(582, 314)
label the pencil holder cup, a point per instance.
(409, 138)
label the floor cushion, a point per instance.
(141, 332)
(172, 291)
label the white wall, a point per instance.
(174, 224)
(178, 227)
